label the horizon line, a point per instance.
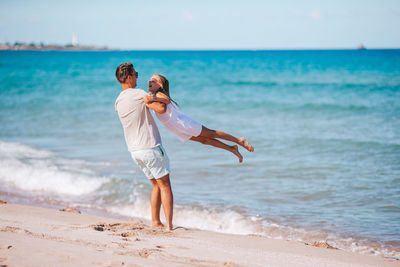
(250, 49)
(109, 49)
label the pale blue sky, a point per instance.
(205, 24)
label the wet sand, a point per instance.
(35, 236)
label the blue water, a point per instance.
(325, 126)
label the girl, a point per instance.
(183, 126)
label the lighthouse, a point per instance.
(74, 40)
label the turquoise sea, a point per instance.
(325, 125)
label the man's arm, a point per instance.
(148, 99)
(157, 107)
(157, 103)
(160, 97)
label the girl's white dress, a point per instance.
(179, 123)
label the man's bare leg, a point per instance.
(214, 142)
(155, 201)
(167, 199)
(212, 134)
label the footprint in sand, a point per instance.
(17, 230)
(145, 253)
(73, 210)
(321, 244)
(117, 263)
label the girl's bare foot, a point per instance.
(245, 144)
(235, 150)
(168, 228)
(157, 225)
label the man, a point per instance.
(144, 142)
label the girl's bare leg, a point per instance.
(212, 134)
(213, 142)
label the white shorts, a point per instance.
(154, 162)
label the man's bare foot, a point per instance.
(245, 144)
(235, 150)
(168, 228)
(157, 225)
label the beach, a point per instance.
(36, 236)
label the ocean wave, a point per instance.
(40, 171)
(331, 107)
(386, 85)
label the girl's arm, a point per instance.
(160, 97)
(157, 107)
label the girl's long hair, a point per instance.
(164, 85)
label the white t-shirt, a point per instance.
(140, 129)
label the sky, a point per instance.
(204, 24)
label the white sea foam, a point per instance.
(37, 170)
(194, 217)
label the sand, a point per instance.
(36, 236)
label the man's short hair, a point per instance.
(123, 71)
